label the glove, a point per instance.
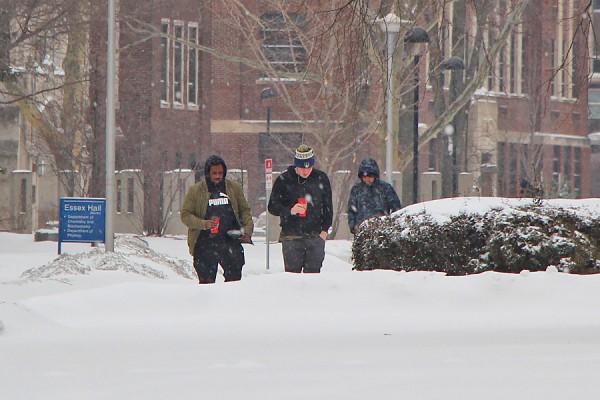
(245, 238)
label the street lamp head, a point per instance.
(391, 23)
(417, 35)
(453, 64)
(449, 130)
(267, 93)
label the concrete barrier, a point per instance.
(430, 186)
(176, 183)
(129, 196)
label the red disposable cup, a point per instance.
(302, 200)
(216, 228)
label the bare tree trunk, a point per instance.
(74, 99)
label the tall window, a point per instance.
(563, 54)
(444, 39)
(553, 89)
(564, 72)
(577, 172)
(556, 167)
(192, 70)
(178, 64)
(513, 166)
(179, 67)
(282, 44)
(501, 72)
(164, 72)
(575, 70)
(501, 166)
(513, 63)
(524, 46)
(567, 168)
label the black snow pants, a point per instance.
(209, 253)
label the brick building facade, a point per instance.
(177, 104)
(528, 122)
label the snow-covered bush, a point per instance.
(507, 239)
(538, 237)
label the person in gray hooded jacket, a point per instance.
(371, 196)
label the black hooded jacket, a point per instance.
(367, 201)
(316, 189)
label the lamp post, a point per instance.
(390, 25)
(453, 64)
(267, 93)
(416, 35)
(109, 231)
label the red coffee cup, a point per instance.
(302, 201)
(216, 228)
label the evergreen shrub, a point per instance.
(503, 240)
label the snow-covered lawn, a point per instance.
(133, 326)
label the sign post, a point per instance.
(268, 186)
(81, 220)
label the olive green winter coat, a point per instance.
(194, 207)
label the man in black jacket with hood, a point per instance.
(301, 197)
(371, 196)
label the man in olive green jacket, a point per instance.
(219, 220)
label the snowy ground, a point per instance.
(133, 325)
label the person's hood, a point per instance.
(214, 160)
(368, 167)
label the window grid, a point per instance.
(553, 66)
(282, 45)
(574, 71)
(512, 173)
(179, 86)
(164, 74)
(192, 69)
(501, 166)
(577, 172)
(512, 64)
(556, 166)
(523, 81)
(178, 63)
(564, 78)
(501, 66)
(567, 168)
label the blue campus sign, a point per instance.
(81, 220)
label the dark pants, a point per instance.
(303, 255)
(209, 253)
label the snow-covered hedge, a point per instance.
(483, 234)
